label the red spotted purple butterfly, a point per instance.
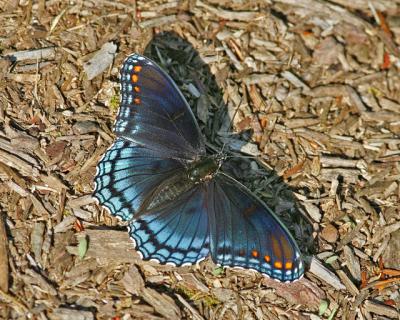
(180, 206)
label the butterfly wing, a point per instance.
(246, 233)
(177, 234)
(127, 174)
(154, 113)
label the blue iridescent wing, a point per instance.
(177, 234)
(127, 174)
(246, 233)
(154, 113)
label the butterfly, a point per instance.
(180, 206)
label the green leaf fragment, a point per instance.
(114, 102)
(323, 306)
(331, 259)
(82, 247)
(217, 271)
(333, 313)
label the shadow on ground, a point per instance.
(184, 64)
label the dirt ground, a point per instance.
(315, 85)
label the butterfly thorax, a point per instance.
(203, 170)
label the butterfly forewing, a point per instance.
(154, 113)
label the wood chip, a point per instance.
(39, 207)
(193, 312)
(156, 22)
(41, 281)
(385, 231)
(301, 123)
(342, 163)
(352, 263)
(13, 303)
(381, 116)
(111, 246)
(66, 314)
(293, 79)
(351, 287)
(381, 309)
(230, 15)
(37, 237)
(161, 303)
(337, 91)
(313, 211)
(4, 270)
(323, 273)
(100, 61)
(133, 281)
(37, 54)
(65, 224)
(352, 234)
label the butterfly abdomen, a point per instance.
(200, 171)
(169, 191)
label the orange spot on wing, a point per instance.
(267, 258)
(276, 248)
(135, 78)
(288, 265)
(254, 253)
(137, 68)
(136, 100)
(136, 88)
(250, 210)
(287, 248)
(278, 264)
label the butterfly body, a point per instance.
(180, 206)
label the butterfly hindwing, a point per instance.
(127, 175)
(245, 233)
(154, 113)
(177, 234)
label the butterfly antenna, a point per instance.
(242, 157)
(230, 128)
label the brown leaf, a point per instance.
(330, 233)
